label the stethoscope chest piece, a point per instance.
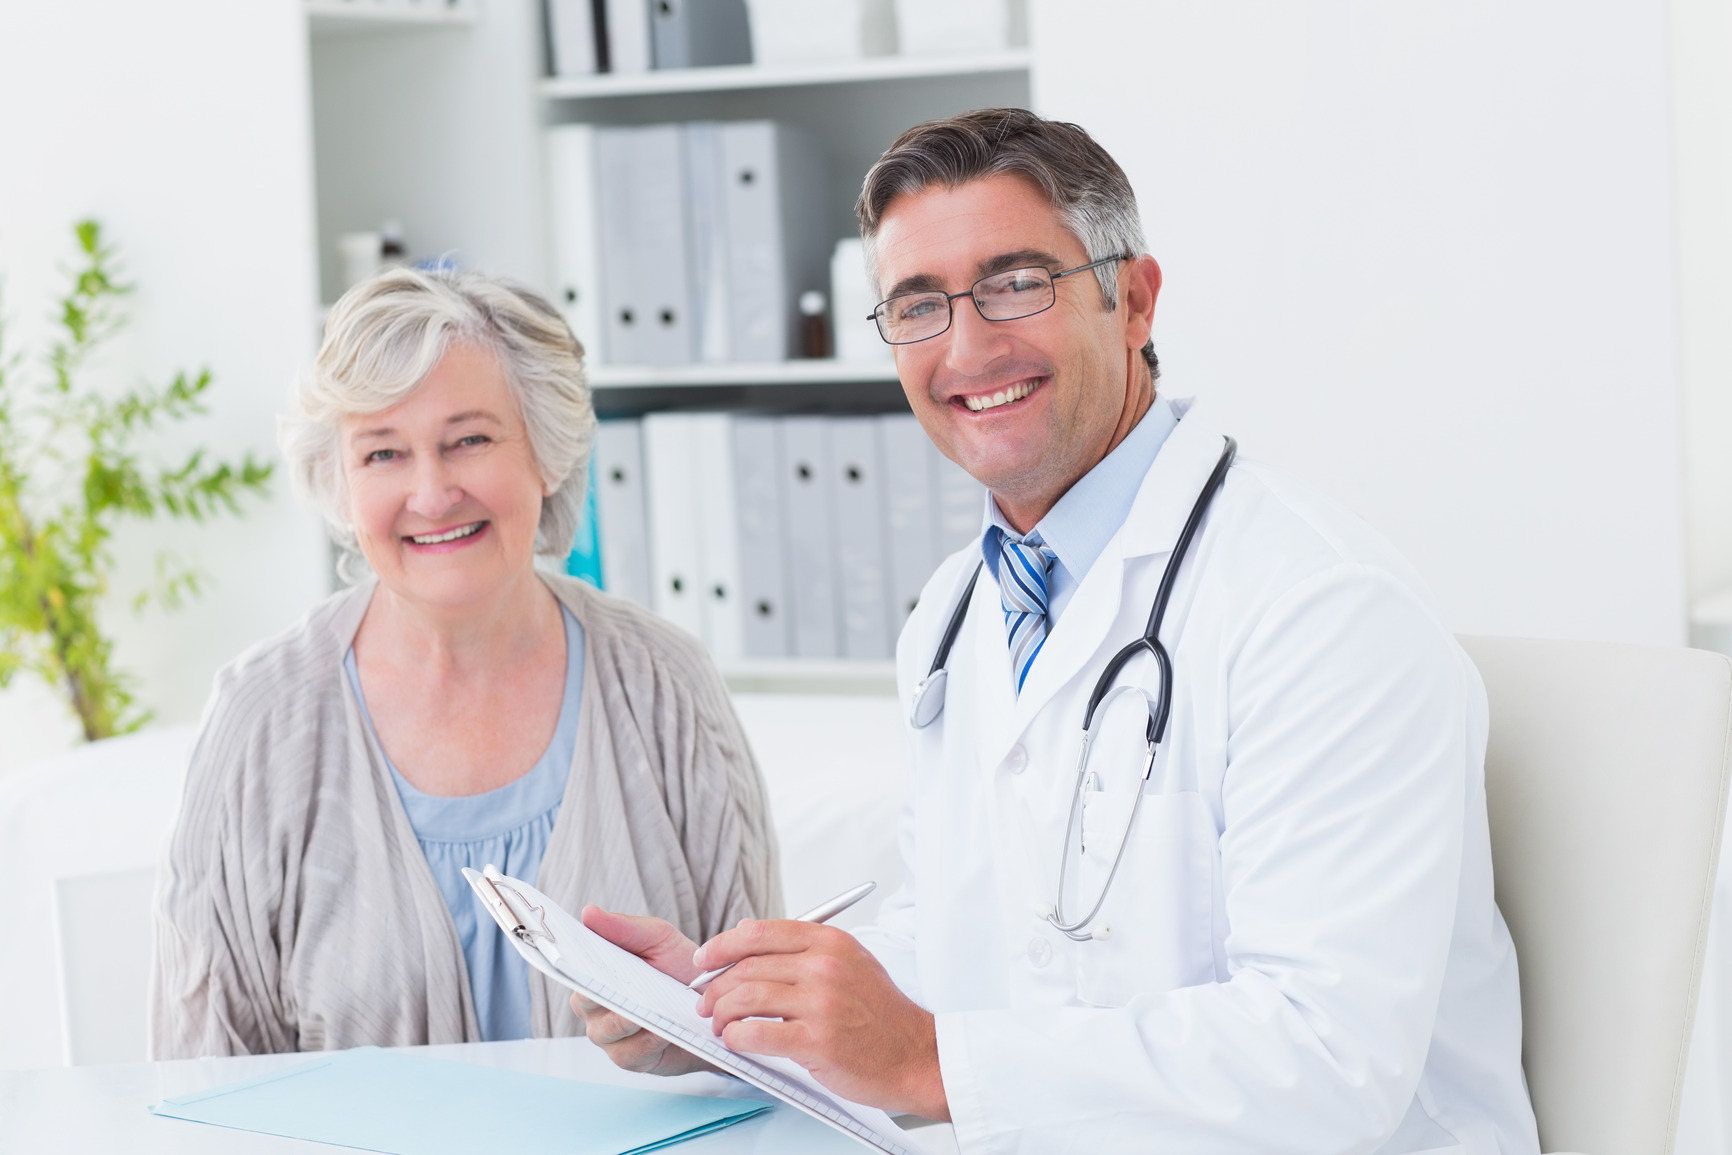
(928, 700)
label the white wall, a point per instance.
(1419, 255)
(1701, 45)
(183, 126)
(393, 106)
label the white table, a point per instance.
(74, 1110)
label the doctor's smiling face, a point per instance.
(1026, 406)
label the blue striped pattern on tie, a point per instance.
(1022, 571)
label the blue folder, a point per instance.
(407, 1104)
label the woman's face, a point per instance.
(444, 493)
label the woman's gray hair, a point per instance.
(1086, 186)
(382, 339)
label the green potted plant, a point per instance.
(72, 466)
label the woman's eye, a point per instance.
(474, 439)
(381, 455)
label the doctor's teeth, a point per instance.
(452, 535)
(1003, 397)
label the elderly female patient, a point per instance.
(455, 708)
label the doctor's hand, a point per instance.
(841, 1017)
(627, 1044)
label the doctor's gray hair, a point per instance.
(1086, 187)
(388, 333)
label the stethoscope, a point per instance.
(928, 703)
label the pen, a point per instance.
(823, 912)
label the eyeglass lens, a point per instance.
(1004, 296)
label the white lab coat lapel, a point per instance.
(1077, 646)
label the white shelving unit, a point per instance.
(875, 679)
(340, 16)
(704, 374)
(732, 78)
(431, 113)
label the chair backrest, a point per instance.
(107, 806)
(1606, 783)
(104, 925)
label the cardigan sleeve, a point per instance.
(214, 978)
(730, 836)
(674, 724)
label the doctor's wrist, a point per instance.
(922, 1083)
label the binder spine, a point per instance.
(809, 517)
(862, 562)
(763, 555)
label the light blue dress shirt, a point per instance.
(1079, 526)
(508, 827)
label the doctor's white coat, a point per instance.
(1304, 954)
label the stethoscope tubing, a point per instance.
(928, 699)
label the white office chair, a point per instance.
(79, 841)
(1606, 782)
(104, 930)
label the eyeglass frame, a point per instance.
(950, 298)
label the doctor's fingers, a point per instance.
(789, 969)
(764, 936)
(769, 1037)
(819, 1009)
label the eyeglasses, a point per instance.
(1007, 296)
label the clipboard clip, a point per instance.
(519, 927)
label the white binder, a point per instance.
(644, 248)
(707, 235)
(669, 451)
(714, 499)
(699, 33)
(961, 503)
(571, 37)
(622, 519)
(809, 516)
(910, 514)
(774, 184)
(853, 298)
(862, 562)
(763, 558)
(569, 150)
(628, 35)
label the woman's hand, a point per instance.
(627, 1044)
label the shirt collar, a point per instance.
(1079, 526)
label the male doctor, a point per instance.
(1299, 950)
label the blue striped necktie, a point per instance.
(1022, 571)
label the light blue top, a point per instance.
(508, 827)
(1079, 526)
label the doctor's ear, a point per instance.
(1139, 286)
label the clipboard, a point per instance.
(569, 953)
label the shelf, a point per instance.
(736, 77)
(816, 372)
(852, 677)
(382, 15)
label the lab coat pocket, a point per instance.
(1158, 913)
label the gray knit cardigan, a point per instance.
(295, 910)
